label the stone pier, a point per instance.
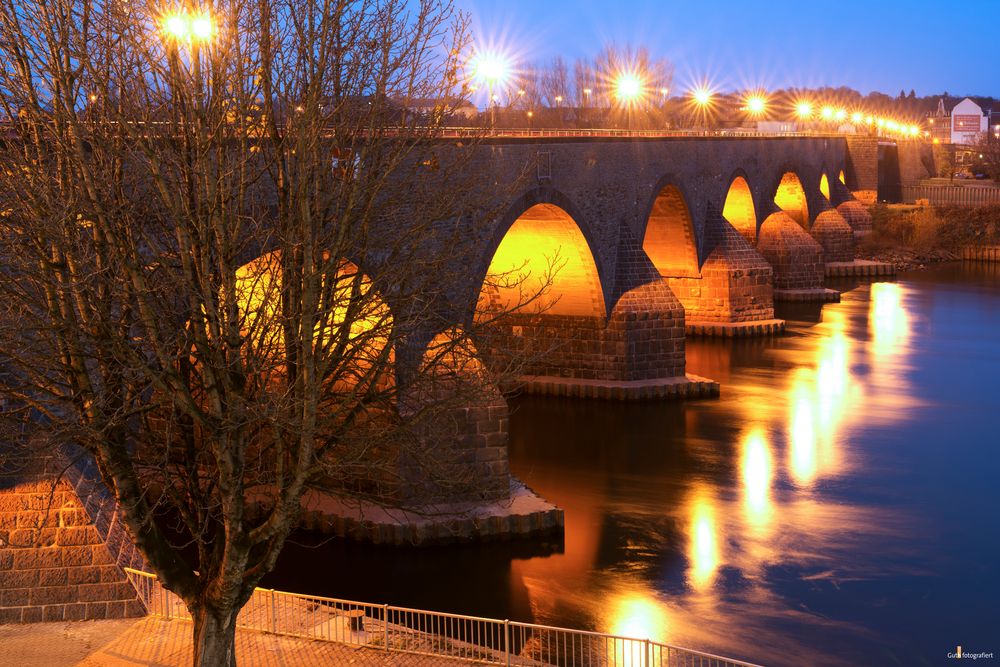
(734, 294)
(796, 258)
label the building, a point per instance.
(963, 126)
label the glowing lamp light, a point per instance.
(201, 27)
(628, 87)
(755, 104)
(841, 114)
(664, 91)
(702, 96)
(914, 130)
(491, 69)
(856, 117)
(183, 27)
(176, 25)
(870, 119)
(880, 122)
(804, 110)
(827, 113)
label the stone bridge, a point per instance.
(654, 239)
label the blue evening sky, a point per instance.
(931, 46)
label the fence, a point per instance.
(956, 195)
(388, 628)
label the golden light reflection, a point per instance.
(887, 319)
(757, 473)
(703, 544)
(802, 431)
(820, 400)
(640, 615)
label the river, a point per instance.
(837, 505)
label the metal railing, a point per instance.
(956, 195)
(400, 629)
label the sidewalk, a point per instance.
(156, 642)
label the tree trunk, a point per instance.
(214, 637)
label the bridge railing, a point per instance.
(554, 133)
(404, 630)
(955, 195)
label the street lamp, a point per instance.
(702, 96)
(628, 90)
(184, 27)
(492, 70)
(755, 104)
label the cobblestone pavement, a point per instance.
(154, 642)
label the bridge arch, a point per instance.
(542, 248)
(739, 209)
(790, 197)
(353, 313)
(669, 240)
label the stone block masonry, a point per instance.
(857, 216)
(62, 549)
(797, 260)
(734, 288)
(835, 235)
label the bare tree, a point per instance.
(205, 282)
(655, 75)
(554, 83)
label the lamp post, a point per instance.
(493, 71)
(702, 98)
(628, 89)
(194, 30)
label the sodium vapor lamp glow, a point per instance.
(756, 104)
(827, 113)
(628, 87)
(804, 109)
(702, 96)
(177, 26)
(202, 27)
(841, 114)
(856, 117)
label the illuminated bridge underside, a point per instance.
(730, 294)
(571, 346)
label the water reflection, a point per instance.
(703, 542)
(887, 319)
(637, 613)
(757, 474)
(796, 520)
(748, 502)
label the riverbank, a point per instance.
(912, 237)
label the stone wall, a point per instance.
(62, 549)
(916, 161)
(862, 167)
